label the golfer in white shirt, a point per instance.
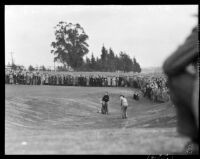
(124, 105)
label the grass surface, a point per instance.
(64, 120)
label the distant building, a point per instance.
(20, 67)
(15, 67)
(8, 67)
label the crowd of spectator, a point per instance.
(153, 87)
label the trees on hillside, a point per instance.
(136, 66)
(126, 64)
(70, 44)
(110, 62)
(104, 58)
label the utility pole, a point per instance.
(54, 67)
(12, 58)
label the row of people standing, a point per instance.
(154, 88)
(38, 78)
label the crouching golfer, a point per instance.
(105, 100)
(124, 105)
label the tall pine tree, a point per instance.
(136, 66)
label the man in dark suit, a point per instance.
(105, 101)
(136, 96)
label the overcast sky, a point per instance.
(150, 33)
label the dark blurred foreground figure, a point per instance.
(182, 69)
